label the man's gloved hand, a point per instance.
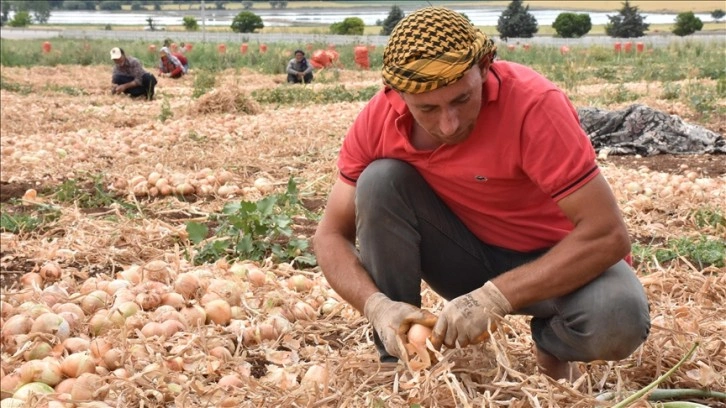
(465, 320)
(388, 317)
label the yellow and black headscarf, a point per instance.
(431, 48)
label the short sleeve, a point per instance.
(557, 154)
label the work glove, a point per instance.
(391, 319)
(466, 319)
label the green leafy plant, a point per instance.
(204, 82)
(292, 95)
(166, 112)
(30, 221)
(708, 217)
(627, 23)
(253, 230)
(88, 194)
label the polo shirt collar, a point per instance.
(492, 85)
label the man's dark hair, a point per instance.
(300, 51)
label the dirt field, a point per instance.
(321, 354)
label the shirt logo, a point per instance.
(480, 179)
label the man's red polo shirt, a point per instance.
(526, 152)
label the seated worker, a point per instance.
(299, 70)
(172, 65)
(130, 77)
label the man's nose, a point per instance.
(449, 121)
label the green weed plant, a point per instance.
(254, 231)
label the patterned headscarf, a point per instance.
(164, 52)
(431, 48)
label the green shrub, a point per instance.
(247, 22)
(572, 25)
(21, 19)
(686, 24)
(349, 26)
(190, 23)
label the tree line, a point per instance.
(515, 21)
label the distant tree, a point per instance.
(219, 5)
(572, 25)
(687, 23)
(190, 23)
(110, 5)
(4, 12)
(516, 21)
(41, 11)
(278, 4)
(136, 5)
(21, 19)
(394, 16)
(247, 22)
(718, 14)
(349, 26)
(627, 23)
(79, 5)
(466, 17)
(247, 5)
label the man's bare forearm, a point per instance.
(339, 261)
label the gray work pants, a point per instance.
(406, 234)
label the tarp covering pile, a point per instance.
(639, 129)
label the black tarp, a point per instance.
(641, 130)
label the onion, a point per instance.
(65, 386)
(9, 384)
(299, 283)
(194, 315)
(18, 324)
(133, 274)
(230, 381)
(303, 311)
(100, 323)
(76, 344)
(51, 323)
(113, 359)
(53, 294)
(170, 327)
(69, 307)
(86, 386)
(315, 377)
(12, 403)
(28, 390)
(263, 185)
(256, 276)
(44, 371)
(418, 334)
(156, 271)
(227, 290)
(99, 347)
(31, 280)
(172, 299)
(6, 309)
(187, 285)
(37, 351)
(218, 311)
(50, 271)
(77, 363)
(221, 353)
(151, 329)
(94, 301)
(148, 300)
